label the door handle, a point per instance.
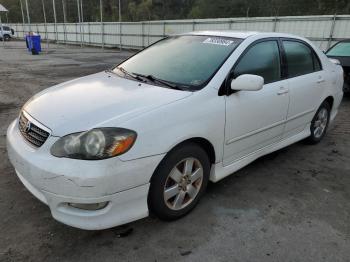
(283, 91)
(320, 80)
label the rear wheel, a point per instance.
(179, 182)
(7, 37)
(319, 124)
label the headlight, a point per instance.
(96, 144)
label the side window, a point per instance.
(6, 28)
(262, 59)
(301, 59)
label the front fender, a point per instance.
(200, 115)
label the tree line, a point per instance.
(143, 10)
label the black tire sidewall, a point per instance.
(155, 197)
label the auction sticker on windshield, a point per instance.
(218, 41)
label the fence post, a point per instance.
(230, 22)
(275, 23)
(149, 29)
(20, 1)
(45, 26)
(89, 28)
(82, 22)
(103, 35)
(102, 26)
(193, 25)
(79, 19)
(163, 28)
(65, 32)
(76, 32)
(28, 16)
(143, 34)
(331, 33)
(2, 32)
(64, 21)
(55, 20)
(120, 36)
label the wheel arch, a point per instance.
(330, 101)
(205, 144)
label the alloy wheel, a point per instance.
(183, 183)
(321, 123)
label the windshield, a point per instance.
(188, 60)
(340, 49)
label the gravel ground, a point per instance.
(292, 205)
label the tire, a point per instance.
(7, 37)
(319, 124)
(173, 193)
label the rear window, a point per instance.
(6, 28)
(340, 49)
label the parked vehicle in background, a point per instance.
(341, 52)
(148, 135)
(6, 33)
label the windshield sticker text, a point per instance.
(218, 41)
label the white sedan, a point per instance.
(148, 135)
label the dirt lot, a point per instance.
(293, 205)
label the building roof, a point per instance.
(3, 9)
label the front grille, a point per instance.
(32, 133)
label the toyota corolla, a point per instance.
(148, 134)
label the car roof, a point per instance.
(241, 34)
(228, 33)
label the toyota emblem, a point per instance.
(28, 127)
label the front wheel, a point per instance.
(179, 182)
(319, 124)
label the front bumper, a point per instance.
(59, 181)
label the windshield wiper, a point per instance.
(125, 72)
(155, 79)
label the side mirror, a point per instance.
(247, 83)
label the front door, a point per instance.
(255, 119)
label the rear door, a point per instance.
(306, 81)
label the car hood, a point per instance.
(99, 100)
(344, 60)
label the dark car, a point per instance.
(341, 52)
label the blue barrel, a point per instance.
(33, 44)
